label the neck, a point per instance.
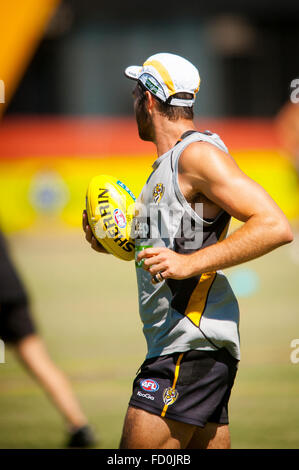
(167, 133)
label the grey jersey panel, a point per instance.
(165, 307)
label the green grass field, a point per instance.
(85, 305)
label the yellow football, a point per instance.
(110, 211)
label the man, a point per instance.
(17, 329)
(190, 314)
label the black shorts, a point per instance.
(11, 285)
(193, 387)
(15, 321)
(15, 318)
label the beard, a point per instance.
(144, 122)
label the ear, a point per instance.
(150, 101)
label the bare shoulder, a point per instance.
(205, 169)
(202, 153)
(204, 159)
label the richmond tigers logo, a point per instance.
(170, 395)
(158, 192)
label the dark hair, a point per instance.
(173, 113)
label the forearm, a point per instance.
(252, 240)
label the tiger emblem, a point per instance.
(170, 395)
(158, 192)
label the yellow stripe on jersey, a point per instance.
(164, 74)
(198, 299)
(224, 232)
(176, 375)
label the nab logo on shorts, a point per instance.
(149, 385)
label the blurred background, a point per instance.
(66, 115)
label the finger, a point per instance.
(157, 268)
(147, 263)
(148, 252)
(84, 220)
(88, 234)
(95, 244)
(156, 279)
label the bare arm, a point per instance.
(208, 170)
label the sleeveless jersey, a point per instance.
(200, 312)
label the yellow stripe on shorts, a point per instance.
(176, 375)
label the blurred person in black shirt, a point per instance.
(18, 330)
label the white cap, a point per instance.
(164, 75)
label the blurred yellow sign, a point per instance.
(22, 24)
(51, 191)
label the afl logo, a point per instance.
(120, 218)
(149, 385)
